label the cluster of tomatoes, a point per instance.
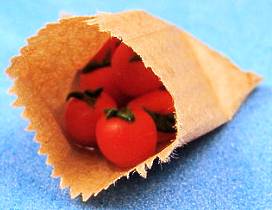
(122, 107)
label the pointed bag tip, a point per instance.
(254, 78)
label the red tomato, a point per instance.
(166, 137)
(80, 118)
(98, 78)
(159, 101)
(127, 143)
(107, 50)
(130, 73)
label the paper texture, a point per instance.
(207, 89)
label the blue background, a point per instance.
(230, 168)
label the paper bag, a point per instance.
(206, 87)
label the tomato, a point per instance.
(160, 106)
(126, 138)
(81, 114)
(107, 50)
(103, 56)
(101, 78)
(132, 77)
(166, 136)
(157, 101)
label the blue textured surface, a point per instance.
(231, 168)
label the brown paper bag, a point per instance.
(207, 89)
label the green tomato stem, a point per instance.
(124, 114)
(164, 122)
(88, 96)
(135, 58)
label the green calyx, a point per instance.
(93, 65)
(90, 67)
(135, 58)
(88, 96)
(124, 114)
(118, 43)
(164, 122)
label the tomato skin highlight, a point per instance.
(132, 77)
(124, 143)
(157, 101)
(101, 77)
(80, 119)
(107, 50)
